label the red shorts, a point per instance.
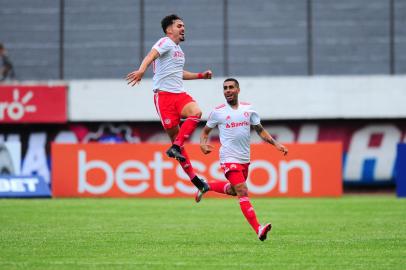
(235, 173)
(169, 107)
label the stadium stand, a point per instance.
(104, 39)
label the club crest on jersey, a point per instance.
(228, 117)
(246, 114)
(167, 121)
(225, 168)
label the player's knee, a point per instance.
(241, 190)
(198, 113)
(191, 110)
(230, 191)
(242, 193)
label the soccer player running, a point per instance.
(234, 120)
(171, 101)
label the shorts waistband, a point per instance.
(165, 92)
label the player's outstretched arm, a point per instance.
(265, 136)
(187, 75)
(204, 137)
(135, 77)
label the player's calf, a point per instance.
(216, 186)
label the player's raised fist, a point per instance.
(207, 74)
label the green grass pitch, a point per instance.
(353, 232)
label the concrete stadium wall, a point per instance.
(282, 98)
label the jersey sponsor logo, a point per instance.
(237, 124)
(178, 54)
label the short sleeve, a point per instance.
(254, 118)
(163, 45)
(212, 121)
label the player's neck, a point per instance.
(234, 104)
(177, 41)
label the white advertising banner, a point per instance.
(275, 98)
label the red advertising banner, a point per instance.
(33, 104)
(143, 170)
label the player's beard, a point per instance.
(232, 102)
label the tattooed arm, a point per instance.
(204, 137)
(266, 137)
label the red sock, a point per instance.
(186, 165)
(186, 130)
(218, 186)
(249, 212)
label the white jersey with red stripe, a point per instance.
(168, 67)
(235, 130)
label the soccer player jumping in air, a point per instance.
(234, 120)
(171, 101)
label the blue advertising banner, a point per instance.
(23, 187)
(401, 170)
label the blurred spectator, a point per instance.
(6, 69)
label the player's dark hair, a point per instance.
(232, 80)
(1, 46)
(168, 21)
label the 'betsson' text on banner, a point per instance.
(143, 170)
